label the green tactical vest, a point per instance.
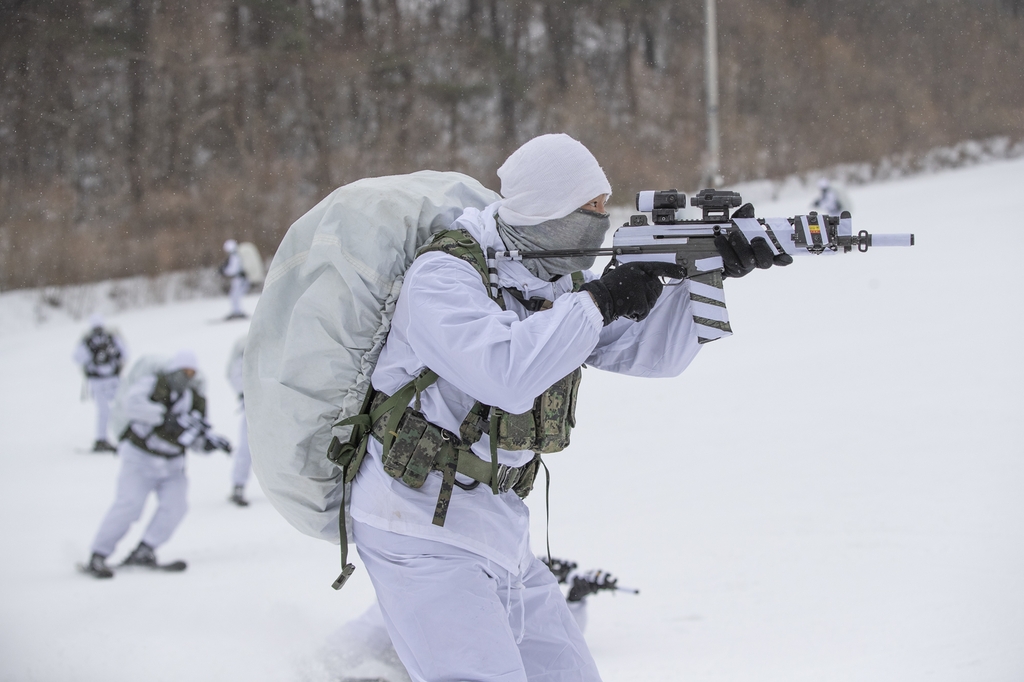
(547, 426)
(168, 431)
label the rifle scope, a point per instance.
(716, 203)
(649, 200)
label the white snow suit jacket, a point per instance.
(232, 266)
(446, 321)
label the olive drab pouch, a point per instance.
(414, 448)
(524, 485)
(546, 427)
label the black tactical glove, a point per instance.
(630, 290)
(739, 256)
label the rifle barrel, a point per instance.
(516, 255)
(892, 240)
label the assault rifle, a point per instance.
(594, 581)
(584, 584)
(200, 428)
(691, 243)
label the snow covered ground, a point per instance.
(833, 493)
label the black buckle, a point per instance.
(346, 573)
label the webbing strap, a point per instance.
(397, 404)
(447, 461)
(347, 569)
(496, 414)
(472, 466)
(362, 424)
(547, 507)
(459, 243)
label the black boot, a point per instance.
(238, 497)
(103, 446)
(142, 555)
(97, 567)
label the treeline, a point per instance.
(137, 135)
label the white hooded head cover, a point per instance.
(548, 177)
(95, 320)
(183, 359)
(230, 246)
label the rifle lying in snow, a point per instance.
(691, 243)
(584, 584)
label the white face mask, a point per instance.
(579, 230)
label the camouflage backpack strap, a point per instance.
(349, 456)
(460, 243)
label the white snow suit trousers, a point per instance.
(239, 287)
(102, 390)
(500, 626)
(142, 473)
(241, 464)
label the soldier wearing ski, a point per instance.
(478, 378)
(238, 283)
(164, 408)
(101, 353)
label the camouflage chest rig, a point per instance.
(162, 441)
(103, 351)
(413, 447)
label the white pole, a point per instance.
(713, 169)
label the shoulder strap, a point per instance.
(162, 390)
(350, 455)
(460, 243)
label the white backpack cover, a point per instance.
(252, 262)
(321, 322)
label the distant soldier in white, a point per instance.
(239, 283)
(101, 354)
(163, 407)
(828, 201)
(242, 461)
